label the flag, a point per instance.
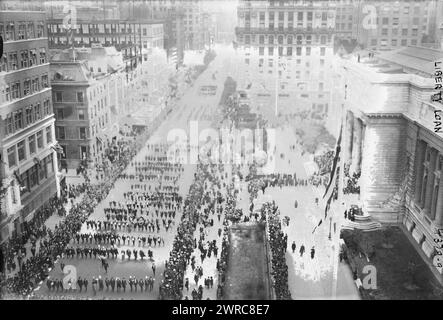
(335, 163)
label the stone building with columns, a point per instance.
(389, 136)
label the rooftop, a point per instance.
(416, 58)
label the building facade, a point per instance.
(287, 47)
(28, 156)
(129, 37)
(389, 138)
(87, 98)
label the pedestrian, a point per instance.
(293, 246)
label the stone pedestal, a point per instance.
(427, 249)
(417, 235)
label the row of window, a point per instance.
(394, 42)
(280, 15)
(22, 30)
(60, 133)
(11, 61)
(299, 39)
(78, 41)
(36, 175)
(289, 51)
(104, 28)
(16, 90)
(26, 148)
(26, 116)
(428, 177)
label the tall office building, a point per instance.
(285, 46)
(27, 141)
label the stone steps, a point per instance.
(363, 225)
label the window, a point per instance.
(82, 133)
(60, 114)
(35, 85)
(394, 42)
(40, 29)
(289, 39)
(21, 150)
(24, 58)
(12, 61)
(261, 51)
(47, 107)
(83, 152)
(308, 51)
(31, 141)
(261, 39)
(300, 16)
(81, 114)
(384, 32)
(58, 96)
(37, 112)
(80, 96)
(322, 51)
(60, 133)
(26, 87)
(21, 30)
(10, 31)
(45, 82)
(298, 51)
(33, 178)
(18, 121)
(40, 139)
(4, 63)
(271, 51)
(12, 158)
(48, 135)
(28, 114)
(42, 55)
(30, 31)
(280, 39)
(404, 32)
(289, 51)
(404, 42)
(9, 124)
(33, 57)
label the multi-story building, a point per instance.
(88, 87)
(126, 36)
(390, 137)
(384, 24)
(170, 12)
(286, 46)
(194, 31)
(27, 141)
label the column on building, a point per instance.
(348, 137)
(419, 159)
(439, 207)
(430, 185)
(356, 146)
